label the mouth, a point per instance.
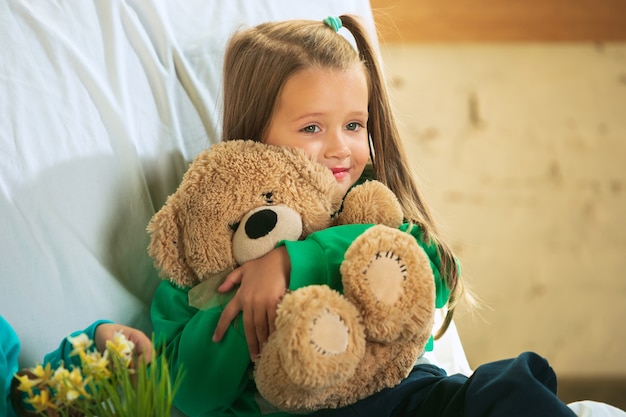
(340, 173)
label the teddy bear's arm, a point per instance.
(215, 373)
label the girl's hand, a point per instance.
(263, 281)
(143, 345)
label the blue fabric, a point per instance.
(9, 351)
(520, 387)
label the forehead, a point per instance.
(325, 85)
(316, 76)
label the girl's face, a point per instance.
(324, 113)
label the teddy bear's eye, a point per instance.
(269, 197)
(234, 226)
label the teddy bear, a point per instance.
(236, 202)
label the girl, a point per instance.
(305, 58)
(300, 84)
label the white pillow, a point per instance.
(102, 106)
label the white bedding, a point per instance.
(102, 106)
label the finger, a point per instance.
(146, 356)
(232, 279)
(262, 328)
(228, 315)
(143, 346)
(271, 319)
(251, 334)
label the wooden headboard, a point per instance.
(500, 20)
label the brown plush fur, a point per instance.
(329, 349)
(192, 233)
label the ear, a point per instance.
(371, 202)
(166, 247)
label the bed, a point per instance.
(102, 106)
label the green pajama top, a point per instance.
(218, 380)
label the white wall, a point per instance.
(521, 151)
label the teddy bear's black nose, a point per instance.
(261, 223)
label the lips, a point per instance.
(340, 172)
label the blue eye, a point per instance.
(311, 129)
(353, 126)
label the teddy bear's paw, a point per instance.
(371, 202)
(389, 277)
(321, 337)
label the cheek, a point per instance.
(312, 150)
(361, 153)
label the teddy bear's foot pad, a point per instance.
(328, 334)
(389, 277)
(322, 339)
(385, 274)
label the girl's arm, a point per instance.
(215, 374)
(257, 297)
(314, 260)
(61, 356)
(100, 331)
(143, 345)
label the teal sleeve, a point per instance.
(61, 356)
(9, 351)
(216, 375)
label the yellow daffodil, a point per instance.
(58, 382)
(121, 346)
(60, 373)
(74, 385)
(27, 384)
(41, 402)
(101, 384)
(80, 343)
(45, 373)
(97, 365)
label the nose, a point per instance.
(261, 223)
(337, 145)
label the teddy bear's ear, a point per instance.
(166, 247)
(371, 202)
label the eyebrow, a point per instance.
(316, 114)
(307, 115)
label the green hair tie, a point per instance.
(334, 22)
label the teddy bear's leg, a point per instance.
(389, 277)
(318, 342)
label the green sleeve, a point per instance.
(215, 374)
(316, 259)
(442, 292)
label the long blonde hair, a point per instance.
(259, 61)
